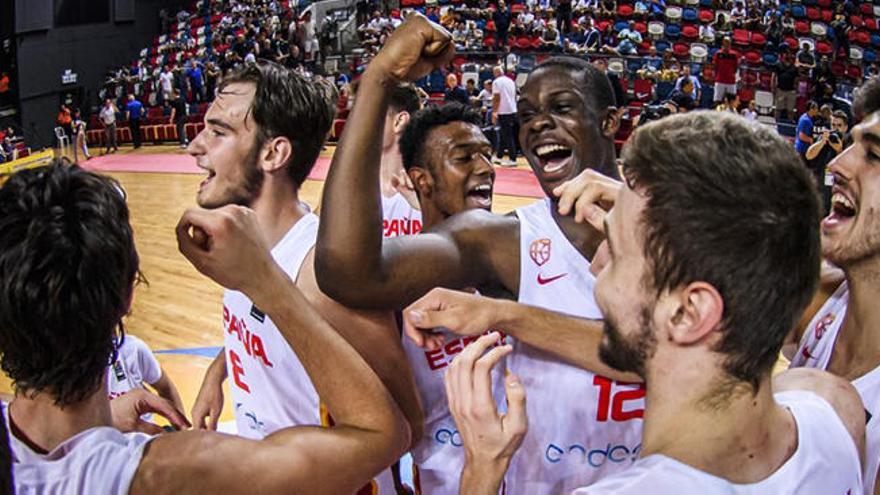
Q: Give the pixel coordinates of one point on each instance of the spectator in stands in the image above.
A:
(166, 81)
(804, 137)
(212, 76)
(134, 112)
(196, 83)
(620, 99)
(309, 36)
(750, 112)
(485, 101)
(108, 118)
(696, 89)
(629, 40)
(829, 145)
(726, 61)
(454, 91)
(550, 40)
(786, 80)
(80, 144)
(470, 87)
(730, 103)
(563, 16)
(805, 60)
(658, 9)
(640, 9)
(593, 39)
(787, 24)
(682, 97)
(178, 116)
(608, 8)
(707, 33)
(839, 33)
(738, 14)
(824, 81)
(504, 116)
(501, 18)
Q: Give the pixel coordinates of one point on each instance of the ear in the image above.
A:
(611, 122)
(422, 181)
(692, 313)
(275, 154)
(399, 123)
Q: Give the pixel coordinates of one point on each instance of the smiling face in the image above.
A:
(851, 232)
(227, 150)
(560, 128)
(458, 175)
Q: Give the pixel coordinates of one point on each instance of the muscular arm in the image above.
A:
(376, 338)
(370, 432)
(815, 148)
(352, 263)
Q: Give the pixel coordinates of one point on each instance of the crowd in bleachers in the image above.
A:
(787, 52)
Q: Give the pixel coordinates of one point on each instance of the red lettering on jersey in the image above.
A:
(416, 226)
(612, 403)
(443, 357)
(258, 350)
(238, 371)
(225, 316)
(234, 327)
(400, 226)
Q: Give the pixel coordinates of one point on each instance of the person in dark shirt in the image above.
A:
(501, 18)
(454, 91)
(786, 88)
(178, 116)
(134, 110)
(563, 16)
(829, 144)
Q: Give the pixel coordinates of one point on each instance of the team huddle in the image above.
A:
(618, 336)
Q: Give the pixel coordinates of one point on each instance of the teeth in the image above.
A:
(483, 188)
(842, 200)
(550, 148)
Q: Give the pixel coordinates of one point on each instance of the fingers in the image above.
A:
(148, 428)
(151, 403)
(482, 379)
(213, 419)
(515, 422)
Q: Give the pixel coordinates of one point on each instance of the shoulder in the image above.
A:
(654, 474)
(836, 391)
(478, 224)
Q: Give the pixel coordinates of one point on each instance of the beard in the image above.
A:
(861, 245)
(245, 192)
(628, 354)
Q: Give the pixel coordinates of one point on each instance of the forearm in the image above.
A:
(351, 390)
(350, 234)
(814, 149)
(482, 479)
(166, 389)
(573, 340)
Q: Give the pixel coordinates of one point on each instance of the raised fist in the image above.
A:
(415, 49)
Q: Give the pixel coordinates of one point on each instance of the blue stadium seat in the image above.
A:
(673, 31)
(661, 46)
(689, 14)
(620, 26)
(706, 4)
(798, 11)
(770, 59)
(875, 40)
(869, 56)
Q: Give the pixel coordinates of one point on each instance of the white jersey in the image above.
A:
(135, 365)
(583, 426)
(438, 457)
(98, 460)
(269, 385)
(817, 345)
(826, 462)
(399, 217)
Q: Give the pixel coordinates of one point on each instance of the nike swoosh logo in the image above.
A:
(545, 281)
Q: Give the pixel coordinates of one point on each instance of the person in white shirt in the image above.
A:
(257, 149)
(108, 118)
(136, 366)
(60, 423)
(166, 83)
(504, 116)
(683, 312)
(401, 214)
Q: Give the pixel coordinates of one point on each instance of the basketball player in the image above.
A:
(257, 153)
(842, 336)
(70, 258)
(448, 159)
(537, 255)
(702, 328)
(400, 207)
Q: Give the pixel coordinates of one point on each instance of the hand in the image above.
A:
(590, 195)
(402, 183)
(494, 118)
(127, 411)
(490, 439)
(414, 50)
(459, 312)
(227, 246)
(209, 403)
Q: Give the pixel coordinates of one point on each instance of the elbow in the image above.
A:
(331, 269)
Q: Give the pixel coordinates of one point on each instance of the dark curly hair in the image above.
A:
(290, 105)
(67, 269)
(415, 134)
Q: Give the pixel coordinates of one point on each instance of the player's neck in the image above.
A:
(717, 425)
(42, 425)
(392, 164)
(858, 346)
(277, 207)
(582, 236)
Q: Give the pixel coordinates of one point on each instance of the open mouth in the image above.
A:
(843, 209)
(553, 157)
(208, 179)
(480, 196)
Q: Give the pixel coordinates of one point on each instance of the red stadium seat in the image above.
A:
(864, 38)
(827, 15)
(871, 24)
(866, 8)
(814, 14)
(625, 11)
(523, 43)
(758, 39)
(641, 27)
(681, 50)
(824, 48)
(792, 42)
(838, 68)
(802, 27)
(741, 37)
(123, 135)
(746, 95)
(690, 32)
(856, 20)
(517, 8)
(643, 92)
(753, 57)
(854, 72)
(706, 15)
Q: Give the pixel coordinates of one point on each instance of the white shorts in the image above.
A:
(722, 89)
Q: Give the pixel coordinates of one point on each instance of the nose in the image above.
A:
(540, 122)
(196, 146)
(843, 165)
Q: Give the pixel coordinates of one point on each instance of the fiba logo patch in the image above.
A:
(539, 250)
